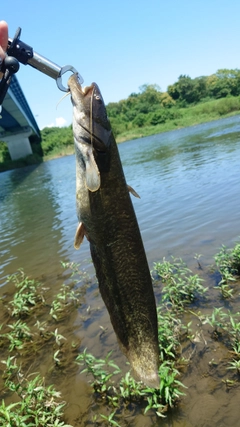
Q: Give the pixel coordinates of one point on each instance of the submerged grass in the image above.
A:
(33, 325)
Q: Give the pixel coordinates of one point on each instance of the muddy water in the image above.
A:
(189, 185)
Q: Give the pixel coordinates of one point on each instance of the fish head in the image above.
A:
(91, 129)
(90, 118)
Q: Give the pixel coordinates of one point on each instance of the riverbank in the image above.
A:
(191, 116)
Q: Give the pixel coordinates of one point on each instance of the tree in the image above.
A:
(223, 83)
(166, 100)
(140, 120)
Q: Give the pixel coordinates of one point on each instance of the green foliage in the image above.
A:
(181, 287)
(127, 391)
(6, 163)
(33, 325)
(56, 138)
(38, 405)
(219, 85)
(225, 324)
(187, 102)
(228, 265)
(159, 117)
(188, 90)
(63, 302)
(170, 332)
(27, 296)
(140, 120)
(151, 107)
(4, 153)
(21, 338)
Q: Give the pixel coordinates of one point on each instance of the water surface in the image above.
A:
(188, 181)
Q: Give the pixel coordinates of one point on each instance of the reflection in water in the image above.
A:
(33, 218)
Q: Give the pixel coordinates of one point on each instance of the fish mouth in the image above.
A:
(75, 86)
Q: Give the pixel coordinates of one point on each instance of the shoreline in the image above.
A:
(136, 133)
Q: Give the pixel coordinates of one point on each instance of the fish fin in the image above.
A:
(134, 193)
(93, 180)
(79, 236)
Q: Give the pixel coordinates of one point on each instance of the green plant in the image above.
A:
(129, 391)
(228, 260)
(170, 329)
(114, 395)
(228, 264)
(180, 286)
(27, 296)
(217, 320)
(97, 367)
(197, 257)
(38, 406)
(110, 419)
(235, 364)
(19, 334)
(64, 301)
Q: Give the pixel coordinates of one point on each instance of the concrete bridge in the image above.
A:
(17, 122)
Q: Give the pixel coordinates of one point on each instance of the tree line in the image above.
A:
(151, 106)
(148, 108)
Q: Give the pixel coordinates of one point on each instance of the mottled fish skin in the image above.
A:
(108, 221)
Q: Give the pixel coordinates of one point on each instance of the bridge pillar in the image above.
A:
(18, 144)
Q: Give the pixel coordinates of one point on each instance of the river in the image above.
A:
(189, 184)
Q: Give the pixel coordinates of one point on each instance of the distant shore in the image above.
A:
(190, 116)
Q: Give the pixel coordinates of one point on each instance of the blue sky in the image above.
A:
(121, 45)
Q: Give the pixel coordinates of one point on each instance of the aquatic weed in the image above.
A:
(229, 259)
(19, 335)
(181, 287)
(113, 391)
(63, 302)
(170, 330)
(28, 295)
(127, 390)
(235, 364)
(228, 264)
(39, 405)
(227, 324)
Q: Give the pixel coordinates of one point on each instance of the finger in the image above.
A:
(3, 35)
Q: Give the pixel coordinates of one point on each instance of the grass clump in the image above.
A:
(34, 324)
(124, 391)
(229, 259)
(37, 405)
(27, 296)
(23, 339)
(181, 287)
(228, 265)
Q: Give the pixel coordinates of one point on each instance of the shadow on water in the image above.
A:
(13, 178)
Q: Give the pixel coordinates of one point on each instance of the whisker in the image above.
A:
(64, 96)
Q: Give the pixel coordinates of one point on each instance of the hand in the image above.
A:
(3, 40)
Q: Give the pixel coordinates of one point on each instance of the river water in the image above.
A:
(189, 184)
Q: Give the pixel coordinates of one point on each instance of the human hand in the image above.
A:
(3, 40)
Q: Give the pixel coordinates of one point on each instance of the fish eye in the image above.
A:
(98, 98)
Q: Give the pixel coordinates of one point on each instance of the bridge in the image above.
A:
(17, 123)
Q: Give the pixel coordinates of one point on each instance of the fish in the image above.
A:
(108, 221)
